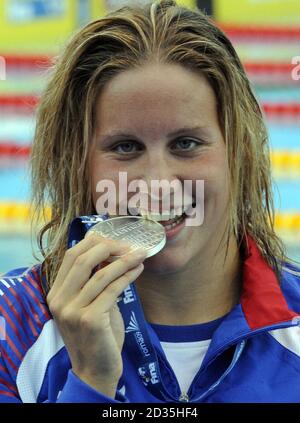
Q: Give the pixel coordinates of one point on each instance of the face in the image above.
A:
(160, 122)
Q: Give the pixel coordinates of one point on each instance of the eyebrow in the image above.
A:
(184, 130)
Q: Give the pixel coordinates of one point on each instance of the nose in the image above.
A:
(162, 187)
(158, 168)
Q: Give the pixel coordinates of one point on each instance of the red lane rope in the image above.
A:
(27, 60)
(251, 31)
(34, 61)
(16, 101)
(280, 109)
(10, 149)
(232, 31)
(265, 67)
(29, 102)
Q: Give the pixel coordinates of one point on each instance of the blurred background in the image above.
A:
(266, 35)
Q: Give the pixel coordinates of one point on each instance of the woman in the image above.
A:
(157, 92)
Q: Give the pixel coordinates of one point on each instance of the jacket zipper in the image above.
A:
(184, 397)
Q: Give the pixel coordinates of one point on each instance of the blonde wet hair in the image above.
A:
(126, 38)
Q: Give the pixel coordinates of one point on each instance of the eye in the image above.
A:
(127, 147)
(186, 144)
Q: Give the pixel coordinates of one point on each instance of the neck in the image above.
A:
(205, 290)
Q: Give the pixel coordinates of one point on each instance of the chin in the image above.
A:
(166, 262)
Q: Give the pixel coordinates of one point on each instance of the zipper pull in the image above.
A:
(184, 397)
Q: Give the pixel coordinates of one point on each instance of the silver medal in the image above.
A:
(136, 230)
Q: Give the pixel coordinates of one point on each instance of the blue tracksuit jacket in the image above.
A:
(254, 355)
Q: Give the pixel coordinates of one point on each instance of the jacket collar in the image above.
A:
(262, 306)
(262, 300)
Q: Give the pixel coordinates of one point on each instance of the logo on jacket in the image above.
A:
(149, 374)
(133, 326)
(129, 296)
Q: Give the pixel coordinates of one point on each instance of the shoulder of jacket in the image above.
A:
(21, 295)
(25, 279)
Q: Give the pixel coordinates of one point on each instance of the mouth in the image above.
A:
(168, 219)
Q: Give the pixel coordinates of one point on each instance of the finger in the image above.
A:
(83, 247)
(102, 278)
(83, 266)
(108, 298)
